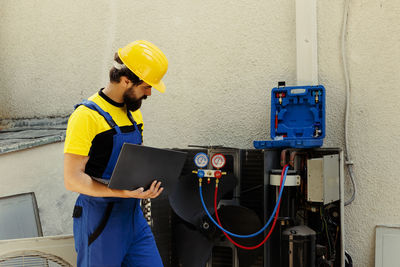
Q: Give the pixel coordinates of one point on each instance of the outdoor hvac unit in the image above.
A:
(21, 236)
(50, 251)
(309, 228)
(184, 234)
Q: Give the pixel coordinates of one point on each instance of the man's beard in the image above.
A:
(133, 104)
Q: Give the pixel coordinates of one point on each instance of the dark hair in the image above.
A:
(116, 74)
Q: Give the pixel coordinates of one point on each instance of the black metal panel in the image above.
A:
(164, 218)
(252, 187)
(248, 168)
(271, 161)
(252, 181)
(161, 214)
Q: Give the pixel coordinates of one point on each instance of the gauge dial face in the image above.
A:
(218, 161)
(201, 160)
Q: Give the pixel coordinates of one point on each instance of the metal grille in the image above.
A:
(252, 187)
(32, 259)
(252, 181)
(222, 257)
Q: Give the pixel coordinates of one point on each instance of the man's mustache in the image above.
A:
(134, 105)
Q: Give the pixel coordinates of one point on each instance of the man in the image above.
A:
(109, 227)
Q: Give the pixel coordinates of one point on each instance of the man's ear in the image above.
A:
(125, 81)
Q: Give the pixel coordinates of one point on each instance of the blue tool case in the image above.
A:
(297, 117)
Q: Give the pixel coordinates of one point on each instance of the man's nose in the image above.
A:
(148, 92)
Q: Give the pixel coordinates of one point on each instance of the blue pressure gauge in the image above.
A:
(201, 160)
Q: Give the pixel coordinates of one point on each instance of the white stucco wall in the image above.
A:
(40, 170)
(224, 57)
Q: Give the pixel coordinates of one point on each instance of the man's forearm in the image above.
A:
(84, 184)
(75, 179)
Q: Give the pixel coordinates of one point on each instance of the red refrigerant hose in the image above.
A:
(270, 231)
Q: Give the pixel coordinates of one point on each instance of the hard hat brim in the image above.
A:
(159, 86)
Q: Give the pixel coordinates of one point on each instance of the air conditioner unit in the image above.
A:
(51, 251)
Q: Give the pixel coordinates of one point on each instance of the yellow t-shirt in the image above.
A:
(89, 134)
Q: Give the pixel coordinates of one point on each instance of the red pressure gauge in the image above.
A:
(218, 161)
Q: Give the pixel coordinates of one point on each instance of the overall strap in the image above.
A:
(132, 120)
(106, 115)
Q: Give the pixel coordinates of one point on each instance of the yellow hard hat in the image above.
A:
(147, 61)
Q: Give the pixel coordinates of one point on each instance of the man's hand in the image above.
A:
(154, 191)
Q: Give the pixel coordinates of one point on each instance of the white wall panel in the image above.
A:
(387, 246)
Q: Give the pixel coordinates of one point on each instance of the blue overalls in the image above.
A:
(109, 231)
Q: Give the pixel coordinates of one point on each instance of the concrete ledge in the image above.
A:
(26, 133)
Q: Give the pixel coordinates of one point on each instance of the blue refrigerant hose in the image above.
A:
(262, 229)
